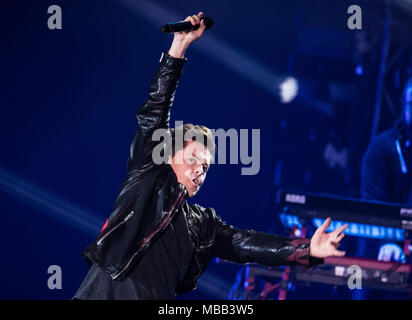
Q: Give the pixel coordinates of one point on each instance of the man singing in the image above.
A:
(155, 245)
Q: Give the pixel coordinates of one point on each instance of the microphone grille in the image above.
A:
(208, 22)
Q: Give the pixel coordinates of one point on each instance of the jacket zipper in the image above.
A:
(99, 243)
(198, 274)
(197, 263)
(178, 201)
(211, 243)
(198, 248)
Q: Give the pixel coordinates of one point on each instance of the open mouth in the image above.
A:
(196, 182)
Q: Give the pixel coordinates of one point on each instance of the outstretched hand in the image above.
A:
(182, 40)
(323, 244)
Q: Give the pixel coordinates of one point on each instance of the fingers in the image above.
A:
(325, 225)
(339, 237)
(339, 230)
(191, 19)
(194, 19)
(339, 253)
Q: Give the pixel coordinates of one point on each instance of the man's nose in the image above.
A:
(199, 170)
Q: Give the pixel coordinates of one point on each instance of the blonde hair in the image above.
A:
(197, 133)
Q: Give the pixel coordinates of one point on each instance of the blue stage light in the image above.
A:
(288, 89)
(289, 220)
(359, 70)
(354, 229)
(391, 252)
(365, 230)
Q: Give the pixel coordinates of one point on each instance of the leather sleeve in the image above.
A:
(155, 112)
(249, 246)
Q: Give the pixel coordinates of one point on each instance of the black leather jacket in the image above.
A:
(151, 195)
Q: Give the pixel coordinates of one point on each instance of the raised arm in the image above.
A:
(155, 112)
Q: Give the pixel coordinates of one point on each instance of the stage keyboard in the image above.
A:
(371, 219)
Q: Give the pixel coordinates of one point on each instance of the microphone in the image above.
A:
(181, 26)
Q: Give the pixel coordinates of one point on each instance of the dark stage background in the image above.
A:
(69, 97)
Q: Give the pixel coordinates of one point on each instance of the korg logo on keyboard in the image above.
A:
(295, 198)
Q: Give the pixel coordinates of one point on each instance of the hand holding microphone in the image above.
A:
(194, 27)
(186, 26)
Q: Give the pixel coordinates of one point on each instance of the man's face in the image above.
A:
(190, 165)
